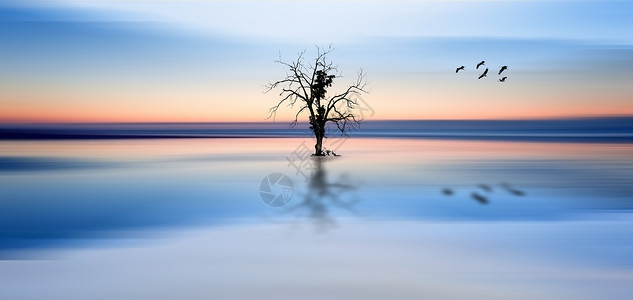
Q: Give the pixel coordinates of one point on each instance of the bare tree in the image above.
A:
(306, 86)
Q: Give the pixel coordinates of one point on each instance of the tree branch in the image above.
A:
(309, 83)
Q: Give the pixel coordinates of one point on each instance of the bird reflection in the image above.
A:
(476, 195)
(485, 187)
(481, 199)
(512, 190)
(323, 195)
(447, 191)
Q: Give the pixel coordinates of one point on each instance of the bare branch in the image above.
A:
(294, 123)
(309, 84)
(353, 90)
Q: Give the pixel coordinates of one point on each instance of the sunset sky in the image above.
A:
(205, 61)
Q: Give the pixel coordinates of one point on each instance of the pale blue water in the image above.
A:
(414, 218)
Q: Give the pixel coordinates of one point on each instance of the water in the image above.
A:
(408, 218)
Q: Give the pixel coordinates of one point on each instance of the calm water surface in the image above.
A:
(397, 218)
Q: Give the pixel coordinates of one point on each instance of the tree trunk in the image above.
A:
(319, 133)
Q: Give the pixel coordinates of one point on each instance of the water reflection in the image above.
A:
(323, 195)
(483, 192)
(485, 187)
(481, 199)
(512, 190)
(159, 207)
(9, 164)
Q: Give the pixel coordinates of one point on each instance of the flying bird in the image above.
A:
(484, 74)
(460, 69)
(480, 64)
(503, 79)
(503, 69)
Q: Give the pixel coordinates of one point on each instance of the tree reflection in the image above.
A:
(322, 196)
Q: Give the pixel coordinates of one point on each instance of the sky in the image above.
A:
(209, 61)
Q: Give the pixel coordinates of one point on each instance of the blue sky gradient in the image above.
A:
(209, 60)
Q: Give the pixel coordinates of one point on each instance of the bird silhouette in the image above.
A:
(503, 79)
(484, 74)
(460, 69)
(480, 64)
(503, 69)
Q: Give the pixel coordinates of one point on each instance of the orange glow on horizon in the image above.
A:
(195, 118)
(437, 103)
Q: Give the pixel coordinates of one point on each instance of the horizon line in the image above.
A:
(587, 117)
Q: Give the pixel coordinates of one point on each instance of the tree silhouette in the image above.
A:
(306, 85)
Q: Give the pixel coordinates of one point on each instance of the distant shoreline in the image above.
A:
(600, 130)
